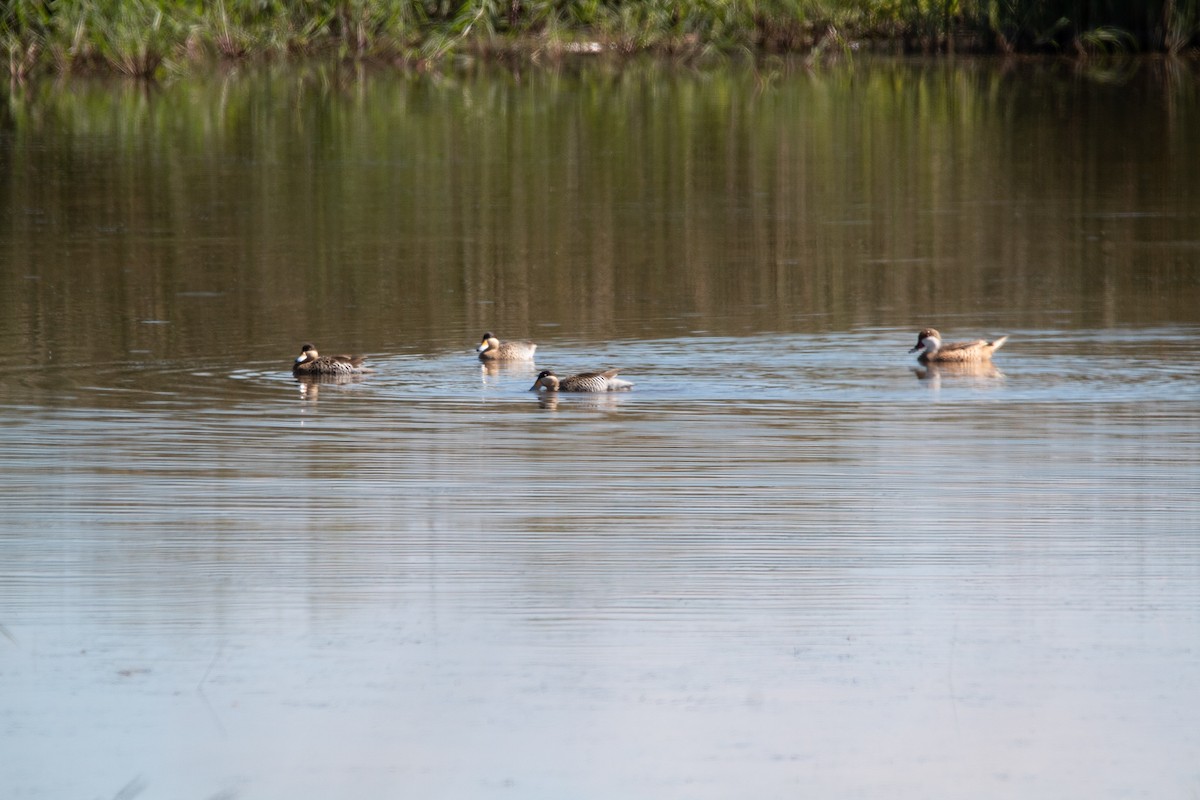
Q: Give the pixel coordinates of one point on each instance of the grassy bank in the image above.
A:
(148, 37)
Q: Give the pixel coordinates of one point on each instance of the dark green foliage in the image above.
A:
(144, 37)
(1087, 25)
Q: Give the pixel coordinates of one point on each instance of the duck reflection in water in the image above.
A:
(310, 385)
(492, 371)
(968, 371)
(607, 401)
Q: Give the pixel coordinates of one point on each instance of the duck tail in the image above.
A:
(996, 345)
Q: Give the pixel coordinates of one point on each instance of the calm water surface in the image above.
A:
(790, 563)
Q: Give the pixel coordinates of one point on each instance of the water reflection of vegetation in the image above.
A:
(142, 37)
(314, 204)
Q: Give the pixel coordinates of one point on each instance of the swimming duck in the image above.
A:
(606, 381)
(929, 342)
(310, 362)
(490, 349)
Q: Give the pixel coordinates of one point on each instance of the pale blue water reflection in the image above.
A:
(766, 571)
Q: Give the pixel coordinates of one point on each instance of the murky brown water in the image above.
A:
(789, 563)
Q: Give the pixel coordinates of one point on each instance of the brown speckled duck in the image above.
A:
(490, 349)
(606, 381)
(310, 362)
(929, 342)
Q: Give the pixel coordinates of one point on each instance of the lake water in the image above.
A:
(789, 563)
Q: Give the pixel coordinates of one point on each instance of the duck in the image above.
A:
(606, 381)
(929, 342)
(490, 349)
(310, 362)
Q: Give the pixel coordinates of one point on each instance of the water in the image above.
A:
(790, 563)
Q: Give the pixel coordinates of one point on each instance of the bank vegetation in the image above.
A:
(149, 38)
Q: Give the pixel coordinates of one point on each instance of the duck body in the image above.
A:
(310, 362)
(490, 349)
(606, 381)
(933, 349)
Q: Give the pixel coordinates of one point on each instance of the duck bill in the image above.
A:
(918, 346)
(481, 348)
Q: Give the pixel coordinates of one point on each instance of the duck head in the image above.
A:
(928, 340)
(489, 341)
(307, 353)
(545, 380)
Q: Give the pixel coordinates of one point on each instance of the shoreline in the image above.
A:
(153, 39)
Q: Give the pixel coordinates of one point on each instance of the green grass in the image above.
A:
(147, 38)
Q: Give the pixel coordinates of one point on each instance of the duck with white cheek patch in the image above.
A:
(932, 348)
